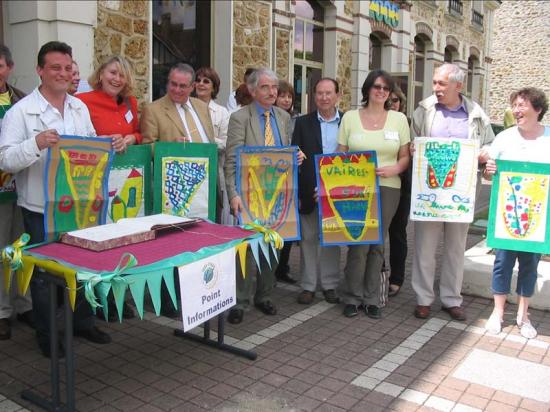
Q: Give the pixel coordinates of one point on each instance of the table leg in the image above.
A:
(219, 343)
(55, 404)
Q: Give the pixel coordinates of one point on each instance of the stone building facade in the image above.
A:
(301, 40)
(123, 28)
(521, 53)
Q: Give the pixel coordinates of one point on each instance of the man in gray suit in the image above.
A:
(258, 124)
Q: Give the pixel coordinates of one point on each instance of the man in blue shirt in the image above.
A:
(317, 133)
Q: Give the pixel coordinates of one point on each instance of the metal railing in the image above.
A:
(455, 7)
(477, 18)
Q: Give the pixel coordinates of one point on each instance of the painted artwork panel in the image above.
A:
(267, 182)
(75, 183)
(349, 198)
(444, 178)
(518, 214)
(185, 186)
(130, 184)
(7, 187)
(185, 179)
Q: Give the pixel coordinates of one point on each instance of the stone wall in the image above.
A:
(123, 28)
(520, 52)
(251, 34)
(282, 40)
(343, 74)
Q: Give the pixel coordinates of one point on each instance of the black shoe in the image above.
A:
(285, 278)
(94, 335)
(330, 296)
(305, 297)
(5, 329)
(373, 311)
(235, 316)
(27, 318)
(350, 311)
(267, 307)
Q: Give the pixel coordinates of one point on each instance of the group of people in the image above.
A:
(260, 113)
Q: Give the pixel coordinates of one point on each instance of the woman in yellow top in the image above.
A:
(374, 127)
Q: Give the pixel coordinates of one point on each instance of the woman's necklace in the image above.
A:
(374, 121)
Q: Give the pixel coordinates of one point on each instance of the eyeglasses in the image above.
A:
(381, 87)
(204, 80)
(394, 100)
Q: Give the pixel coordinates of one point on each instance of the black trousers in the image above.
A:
(83, 316)
(398, 232)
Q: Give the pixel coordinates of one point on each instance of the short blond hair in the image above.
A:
(123, 66)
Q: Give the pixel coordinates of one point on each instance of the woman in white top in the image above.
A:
(207, 87)
(529, 141)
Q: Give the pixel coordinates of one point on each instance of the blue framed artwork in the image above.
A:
(267, 182)
(349, 198)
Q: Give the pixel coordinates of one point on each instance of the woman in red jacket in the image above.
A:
(114, 114)
(112, 108)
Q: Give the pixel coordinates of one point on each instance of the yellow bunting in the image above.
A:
(241, 251)
(52, 268)
(12, 258)
(270, 235)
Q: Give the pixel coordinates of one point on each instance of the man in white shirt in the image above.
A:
(177, 117)
(29, 128)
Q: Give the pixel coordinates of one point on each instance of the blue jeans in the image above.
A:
(504, 266)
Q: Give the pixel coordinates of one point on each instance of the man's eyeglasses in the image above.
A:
(394, 100)
(381, 87)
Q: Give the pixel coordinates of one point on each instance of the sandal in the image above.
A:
(527, 330)
(393, 290)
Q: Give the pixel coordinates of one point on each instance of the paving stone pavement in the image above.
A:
(309, 358)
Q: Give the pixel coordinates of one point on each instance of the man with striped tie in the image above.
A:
(258, 124)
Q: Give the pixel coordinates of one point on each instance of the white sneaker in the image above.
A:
(493, 325)
(527, 330)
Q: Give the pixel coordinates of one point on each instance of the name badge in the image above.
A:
(129, 116)
(391, 135)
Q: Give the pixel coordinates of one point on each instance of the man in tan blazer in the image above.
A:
(177, 117)
(247, 127)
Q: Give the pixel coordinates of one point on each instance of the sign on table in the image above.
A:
(207, 288)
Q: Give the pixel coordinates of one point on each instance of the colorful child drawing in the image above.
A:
(349, 198)
(444, 178)
(77, 175)
(126, 192)
(267, 182)
(522, 198)
(185, 184)
(520, 202)
(442, 161)
(268, 195)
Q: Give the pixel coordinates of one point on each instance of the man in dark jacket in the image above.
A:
(317, 133)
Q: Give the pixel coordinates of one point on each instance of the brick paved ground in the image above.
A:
(309, 358)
